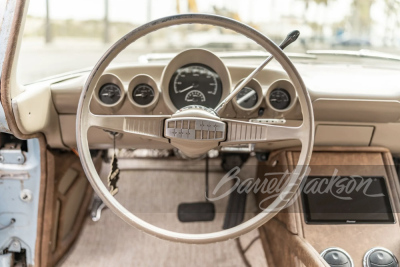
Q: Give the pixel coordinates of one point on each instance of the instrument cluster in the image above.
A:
(193, 77)
(195, 84)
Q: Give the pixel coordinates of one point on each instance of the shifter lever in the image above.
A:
(290, 38)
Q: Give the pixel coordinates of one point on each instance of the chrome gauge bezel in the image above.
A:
(255, 85)
(194, 56)
(143, 79)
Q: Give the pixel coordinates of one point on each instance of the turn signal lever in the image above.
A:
(290, 38)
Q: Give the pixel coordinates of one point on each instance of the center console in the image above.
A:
(345, 215)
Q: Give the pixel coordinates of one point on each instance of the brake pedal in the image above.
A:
(198, 211)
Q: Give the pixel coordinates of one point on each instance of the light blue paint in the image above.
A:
(11, 205)
(3, 122)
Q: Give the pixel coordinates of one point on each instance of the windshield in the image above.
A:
(68, 35)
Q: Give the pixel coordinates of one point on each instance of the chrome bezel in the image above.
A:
(372, 250)
(337, 249)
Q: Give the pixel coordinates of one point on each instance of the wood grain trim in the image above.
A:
(266, 247)
(42, 197)
(282, 162)
(292, 249)
(393, 183)
(332, 149)
(48, 214)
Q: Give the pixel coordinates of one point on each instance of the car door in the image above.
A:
(44, 193)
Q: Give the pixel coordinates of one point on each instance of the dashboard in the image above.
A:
(193, 77)
(353, 105)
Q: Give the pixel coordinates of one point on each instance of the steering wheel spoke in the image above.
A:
(150, 127)
(241, 132)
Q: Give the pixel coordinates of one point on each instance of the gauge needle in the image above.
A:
(108, 94)
(290, 38)
(187, 88)
(246, 96)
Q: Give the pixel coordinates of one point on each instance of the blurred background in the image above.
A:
(66, 35)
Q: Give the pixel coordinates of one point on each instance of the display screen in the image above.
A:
(346, 200)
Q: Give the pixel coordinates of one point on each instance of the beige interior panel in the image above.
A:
(363, 122)
(35, 112)
(67, 180)
(387, 135)
(356, 110)
(341, 135)
(68, 92)
(72, 207)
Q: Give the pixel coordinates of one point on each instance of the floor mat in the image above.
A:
(154, 194)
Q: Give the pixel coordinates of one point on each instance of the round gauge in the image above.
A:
(109, 93)
(195, 97)
(247, 97)
(195, 84)
(279, 98)
(143, 94)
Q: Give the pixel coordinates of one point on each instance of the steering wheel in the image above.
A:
(221, 132)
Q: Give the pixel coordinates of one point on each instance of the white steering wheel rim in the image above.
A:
(306, 138)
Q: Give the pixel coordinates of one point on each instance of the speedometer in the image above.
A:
(195, 83)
